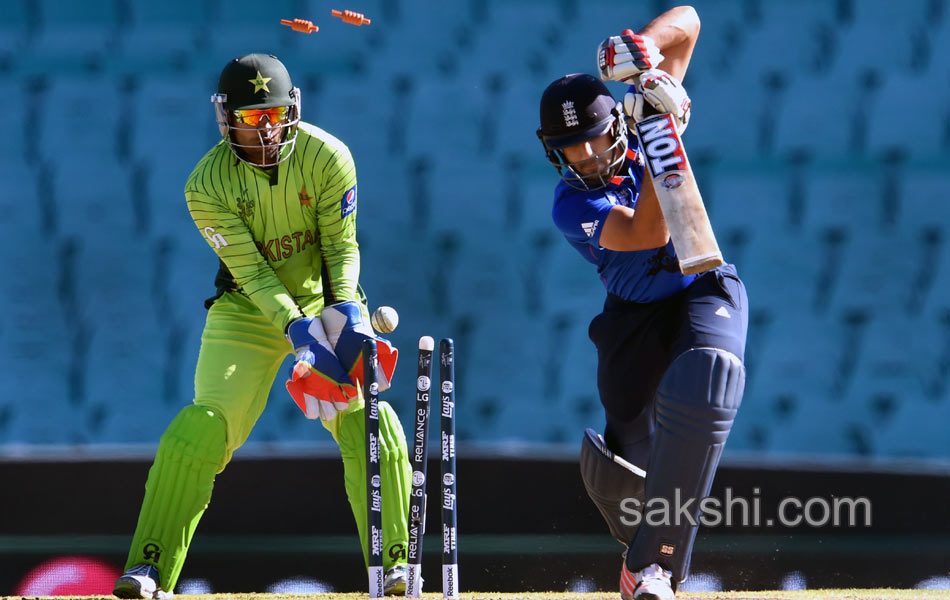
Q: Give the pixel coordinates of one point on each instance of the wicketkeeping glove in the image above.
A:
(620, 57)
(346, 328)
(663, 92)
(318, 382)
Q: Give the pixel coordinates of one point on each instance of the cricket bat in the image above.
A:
(679, 197)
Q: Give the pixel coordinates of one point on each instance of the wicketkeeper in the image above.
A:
(670, 346)
(276, 200)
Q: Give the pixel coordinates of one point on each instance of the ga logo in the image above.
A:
(215, 238)
(348, 202)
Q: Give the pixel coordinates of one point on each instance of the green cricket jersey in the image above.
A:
(279, 234)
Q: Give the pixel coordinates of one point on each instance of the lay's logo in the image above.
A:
(348, 202)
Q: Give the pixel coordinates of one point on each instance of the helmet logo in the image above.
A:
(570, 115)
(260, 83)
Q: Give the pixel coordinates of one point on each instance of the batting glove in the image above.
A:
(318, 382)
(660, 91)
(621, 57)
(347, 326)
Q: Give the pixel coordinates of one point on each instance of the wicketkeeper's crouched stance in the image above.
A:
(276, 200)
(670, 346)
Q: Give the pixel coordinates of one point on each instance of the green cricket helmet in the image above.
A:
(251, 88)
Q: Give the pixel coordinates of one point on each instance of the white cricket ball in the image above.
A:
(385, 319)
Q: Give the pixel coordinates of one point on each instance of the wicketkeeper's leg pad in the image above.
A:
(192, 451)
(396, 479)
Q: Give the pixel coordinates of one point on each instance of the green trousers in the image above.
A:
(240, 355)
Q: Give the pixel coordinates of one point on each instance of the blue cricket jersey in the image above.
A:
(639, 276)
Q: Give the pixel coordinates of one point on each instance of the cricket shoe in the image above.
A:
(394, 583)
(649, 583)
(141, 581)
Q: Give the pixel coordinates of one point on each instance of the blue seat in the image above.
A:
(517, 119)
(799, 358)
(859, 46)
(818, 428)
(74, 36)
(793, 26)
(923, 194)
(20, 206)
(718, 114)
(82, 119)
(163, 37)
(750, 199)
(917, 430)
(780, 269)
(847, 197)
(36, 342)
(177, 123)
(809, 117)
(915, 133)
(94, 197)
(15, 25)
(877, 270)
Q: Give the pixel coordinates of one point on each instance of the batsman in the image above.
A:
(276, 200)
(670, 346)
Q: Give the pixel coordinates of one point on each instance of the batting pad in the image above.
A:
(696, 403)
(396, 475)
(192, 451)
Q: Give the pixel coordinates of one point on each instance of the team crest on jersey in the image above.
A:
(348, 202)
(245, 206)
(622, 196)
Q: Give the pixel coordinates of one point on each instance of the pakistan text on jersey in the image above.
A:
(278, 249)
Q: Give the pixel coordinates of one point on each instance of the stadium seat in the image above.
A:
(877, 271)
(177, 121)
(20, 207)
(923, 194)
(17, 22)
(917, 430)
(821, 428)
(859, 46)
(849, 197)
(82, 113)
(715, 119)
(823, 129)
(94, 198)
(73, 36)
(39, 383)
(796, 27)
(162, 38)
(800, 357)
(781, 269)
(916, 134)
(748, 199)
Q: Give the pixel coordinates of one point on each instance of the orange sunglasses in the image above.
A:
(253, 116)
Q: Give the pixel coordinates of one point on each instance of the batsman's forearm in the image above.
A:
(675, 33)
(649, 222)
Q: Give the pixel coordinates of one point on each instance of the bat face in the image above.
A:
(662, 146)
(678, 194)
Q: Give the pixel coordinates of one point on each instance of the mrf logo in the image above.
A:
(151, 552)
(348, 202)
(661, 144)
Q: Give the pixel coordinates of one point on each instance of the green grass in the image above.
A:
(852, 594)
